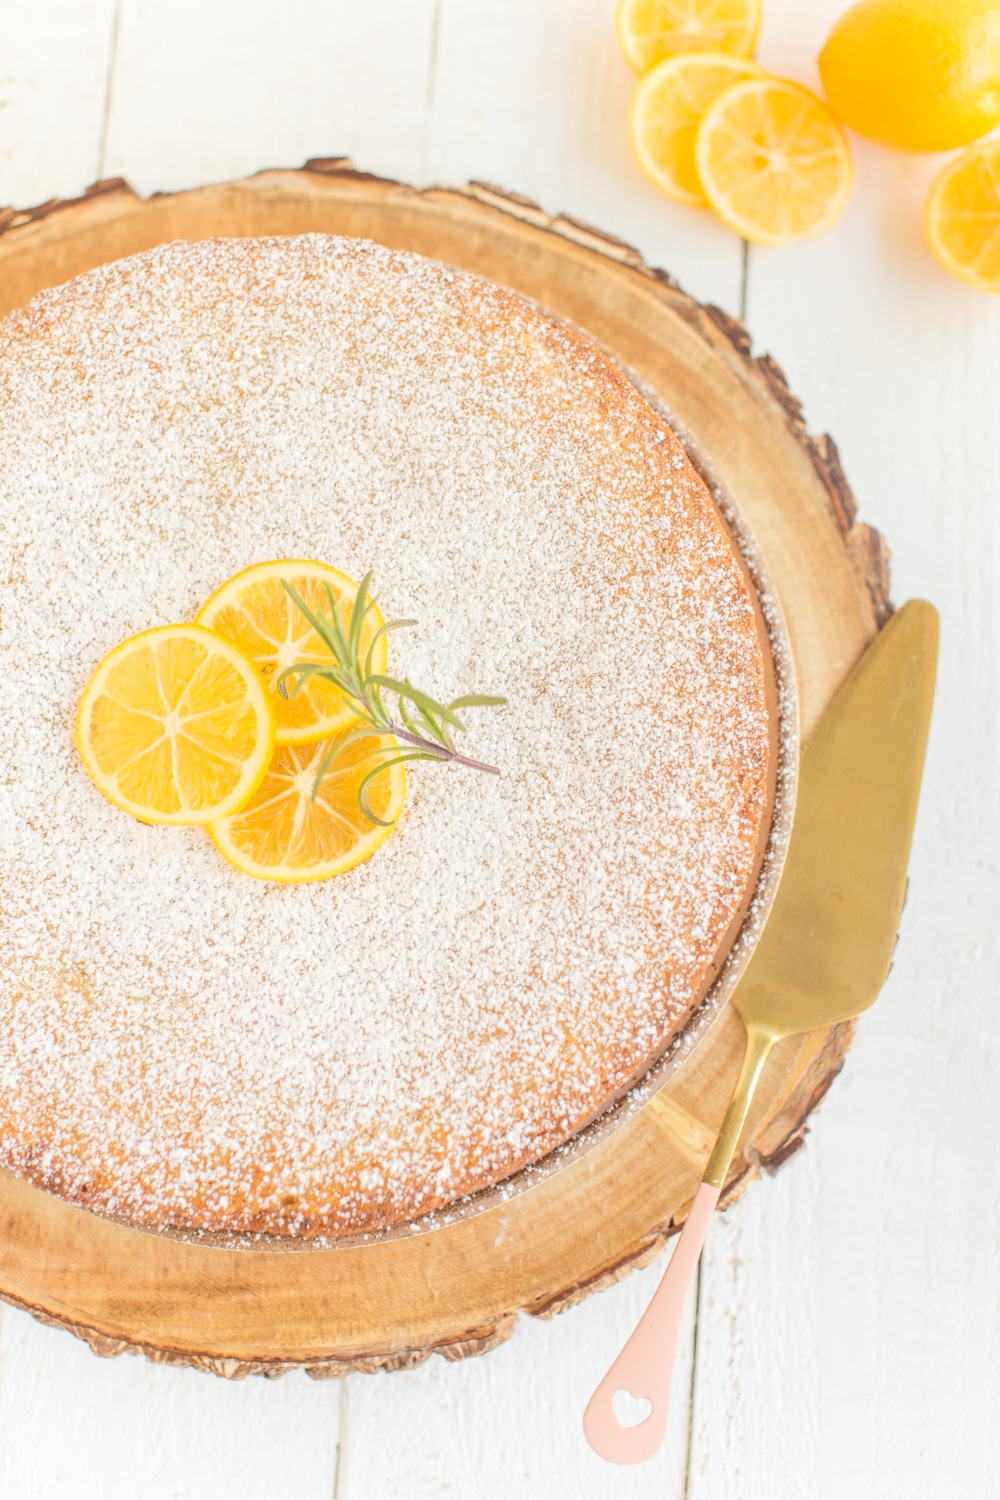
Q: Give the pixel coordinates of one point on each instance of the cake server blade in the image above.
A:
(822, 957)
(826, 949)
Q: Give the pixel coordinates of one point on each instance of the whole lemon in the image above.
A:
(920, 74)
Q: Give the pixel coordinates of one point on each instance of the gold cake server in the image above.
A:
(822, 958)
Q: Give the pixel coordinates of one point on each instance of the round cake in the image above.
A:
(189, 1049)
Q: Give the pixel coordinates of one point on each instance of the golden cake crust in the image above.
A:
(188, 1049)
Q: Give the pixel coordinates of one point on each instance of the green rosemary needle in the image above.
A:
(420, 722)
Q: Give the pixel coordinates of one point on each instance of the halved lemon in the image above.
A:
(254, 611)
(773, 161)
(175, 726)
(287, 833)
(963, 216)
(650, 30)
(668, 107)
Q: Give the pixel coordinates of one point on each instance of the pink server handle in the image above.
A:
(645, 1367)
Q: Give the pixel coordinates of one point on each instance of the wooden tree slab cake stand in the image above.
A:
(458, 1289)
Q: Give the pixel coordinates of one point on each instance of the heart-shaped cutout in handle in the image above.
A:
(629, 1410)
(622, 1427)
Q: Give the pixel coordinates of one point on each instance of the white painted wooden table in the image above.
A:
(848, 1323)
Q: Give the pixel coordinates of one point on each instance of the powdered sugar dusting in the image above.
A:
(183, 1046)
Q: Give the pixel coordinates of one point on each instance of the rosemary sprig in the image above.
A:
(420, 721)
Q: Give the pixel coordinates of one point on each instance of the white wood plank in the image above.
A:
(852, 1313)
(71, 1424)
(54, 60)
(757, 1400)
(203, 93)
(508, 1424)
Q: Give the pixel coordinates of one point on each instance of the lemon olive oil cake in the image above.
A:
(189, 1049)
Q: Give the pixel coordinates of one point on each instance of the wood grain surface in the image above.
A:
(837, 1349)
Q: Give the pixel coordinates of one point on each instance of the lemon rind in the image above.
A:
(257, 693)
(746, 228)
(283, 875)
(626, 37)
(325, 728)
(745, 66)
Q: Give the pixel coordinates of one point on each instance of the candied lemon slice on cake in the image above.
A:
(650, 30)
(963, 216)
(176, 726)
(294, 830)
(255, 612)
(773, 161)
(668, 107)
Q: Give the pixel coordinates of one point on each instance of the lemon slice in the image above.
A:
(175, 726)
(254, 611)
(286, 833)
(650, 30)
(773, 161)
(963, 217)
(667, 109)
